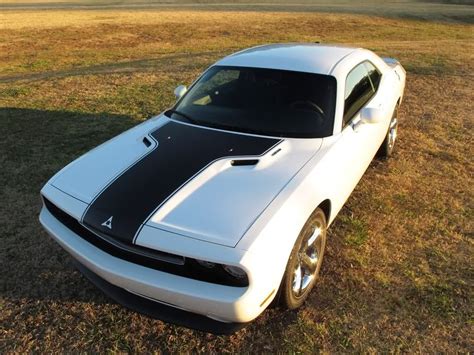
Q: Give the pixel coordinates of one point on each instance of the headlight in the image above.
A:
(218, 273)
(235, 271)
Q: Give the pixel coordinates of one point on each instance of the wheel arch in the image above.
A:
(326, 207)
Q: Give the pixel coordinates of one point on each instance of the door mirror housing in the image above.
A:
(180, 91)
(371, 115)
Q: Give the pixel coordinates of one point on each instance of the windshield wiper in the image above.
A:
(243, 129)
(189, 119)
(223, 126)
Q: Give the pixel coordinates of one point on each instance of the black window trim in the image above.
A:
(344, 125)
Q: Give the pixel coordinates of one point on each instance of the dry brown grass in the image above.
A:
(398, 274)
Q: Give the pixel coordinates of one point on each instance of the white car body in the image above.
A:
(246, 216)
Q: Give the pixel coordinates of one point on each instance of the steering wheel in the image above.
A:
(307, 103)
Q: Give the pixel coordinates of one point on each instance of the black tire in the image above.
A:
(388, 144)
(288, 296)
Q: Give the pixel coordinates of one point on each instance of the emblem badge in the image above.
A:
(108, 223)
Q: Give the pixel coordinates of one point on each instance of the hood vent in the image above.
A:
(244, 162)
(147, 142)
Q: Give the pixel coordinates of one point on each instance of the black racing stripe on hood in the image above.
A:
(182, 152)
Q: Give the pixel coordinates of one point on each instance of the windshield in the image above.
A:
(262, 101)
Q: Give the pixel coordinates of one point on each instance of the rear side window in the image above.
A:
(374, 75)
(359, 90)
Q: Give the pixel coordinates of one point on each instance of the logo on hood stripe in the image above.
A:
(108, 223)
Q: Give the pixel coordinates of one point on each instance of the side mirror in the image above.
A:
(180, 91)
(371, 115)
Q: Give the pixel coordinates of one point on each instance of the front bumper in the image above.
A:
(218, 302)
(159, 310)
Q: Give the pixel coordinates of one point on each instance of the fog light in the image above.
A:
(235, 271)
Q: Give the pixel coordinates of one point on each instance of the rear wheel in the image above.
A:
(386, 149)
(305, 261)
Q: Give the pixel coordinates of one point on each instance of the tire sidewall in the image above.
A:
(385, 151)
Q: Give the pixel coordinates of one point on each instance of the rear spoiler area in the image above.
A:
(393, 63)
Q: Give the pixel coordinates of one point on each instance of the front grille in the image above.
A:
(134, 253)
(158, 260)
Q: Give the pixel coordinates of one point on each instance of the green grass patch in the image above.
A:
(14, 92)
(357, 233)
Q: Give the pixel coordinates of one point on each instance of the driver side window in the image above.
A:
(358, 91)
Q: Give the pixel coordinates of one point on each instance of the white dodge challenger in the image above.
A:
(206, 213)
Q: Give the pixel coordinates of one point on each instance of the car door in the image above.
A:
(361, 91)
(359, 141)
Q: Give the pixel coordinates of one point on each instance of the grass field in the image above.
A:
(398, 274)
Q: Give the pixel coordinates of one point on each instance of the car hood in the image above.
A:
(193, 181)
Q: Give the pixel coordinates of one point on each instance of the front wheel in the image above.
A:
(305, 261)
(386, 149)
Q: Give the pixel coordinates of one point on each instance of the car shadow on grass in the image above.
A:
(34, 145)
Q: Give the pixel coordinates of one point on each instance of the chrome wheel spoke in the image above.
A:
(306, 281)
(392, 134)
(309, 262)
(393, 123)
(316, 234)
(297, 280)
